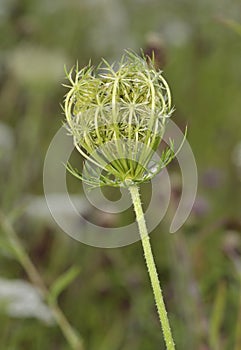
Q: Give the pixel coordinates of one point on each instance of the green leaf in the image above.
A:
(62, 283)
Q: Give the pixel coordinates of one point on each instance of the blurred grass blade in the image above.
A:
(235, 26)
(6, 248)
(238, 328)
(62, 283)
(217, 317)
(113, 339)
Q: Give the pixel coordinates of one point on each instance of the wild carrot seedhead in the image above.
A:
(117, 116)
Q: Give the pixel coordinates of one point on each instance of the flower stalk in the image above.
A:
(151, 267)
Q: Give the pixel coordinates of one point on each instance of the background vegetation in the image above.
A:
(110, 302)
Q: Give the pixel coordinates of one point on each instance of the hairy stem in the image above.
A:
(71, 336)
(134, 191)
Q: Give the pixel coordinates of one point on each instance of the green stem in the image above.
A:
(71, 336)
(134, 191)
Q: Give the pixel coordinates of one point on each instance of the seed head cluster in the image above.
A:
(117, 116)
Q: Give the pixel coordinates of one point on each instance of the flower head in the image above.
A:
(117, 116)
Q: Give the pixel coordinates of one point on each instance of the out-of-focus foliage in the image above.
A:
(110, 302)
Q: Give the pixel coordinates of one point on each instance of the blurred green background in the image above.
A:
(198, 45)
